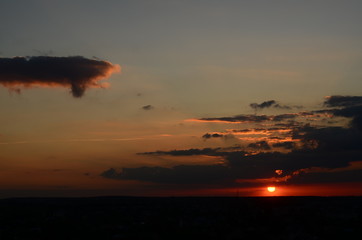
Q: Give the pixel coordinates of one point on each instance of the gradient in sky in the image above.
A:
(172, 98)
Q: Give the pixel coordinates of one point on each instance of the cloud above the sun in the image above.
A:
(75, 72)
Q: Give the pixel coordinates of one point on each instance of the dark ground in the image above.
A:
(181, 218)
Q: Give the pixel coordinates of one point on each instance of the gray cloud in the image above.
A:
(328, 177)
(354, 112)
(285, 145)
(148, 107)
(224, 136)
(182, 174)
(213, 135)
(271, 103)
(194, 151)
(253, 118)
(77, 73)
(263, 105)
(239, 118)
(261, 145)
(342, 101)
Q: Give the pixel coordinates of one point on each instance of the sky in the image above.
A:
(180, 98)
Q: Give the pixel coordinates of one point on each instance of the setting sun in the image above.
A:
(271, 189)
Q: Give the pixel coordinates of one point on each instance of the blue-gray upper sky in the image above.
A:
(238, 49)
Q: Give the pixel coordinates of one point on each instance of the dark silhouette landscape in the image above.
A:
(181, 217)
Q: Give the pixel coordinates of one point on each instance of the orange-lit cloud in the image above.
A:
(77, 73)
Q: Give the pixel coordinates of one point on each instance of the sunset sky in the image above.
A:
(179, 98)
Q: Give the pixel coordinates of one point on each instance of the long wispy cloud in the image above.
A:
(75, 72)
(195, 151)
(247, 118)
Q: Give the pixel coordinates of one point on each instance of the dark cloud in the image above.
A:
(224, 136)
(241, 130)
(282, 106)
(195, 151)
(357, 122)
(77, 73)
(328, 177)
(291, 161)
(239, 118)
(212, 135)
(263, 105)
(333, 139)
(348, 111)
(182, 174)
(239, 165)
(343, 101)
(261, 145)
(282, 117)
(354, 112)
(271, 103)
(322, 152)
(288, 117)
(148, 107)
(285, 145)
(253, 118)
(287, 125)
(187, 152)
(332, 148)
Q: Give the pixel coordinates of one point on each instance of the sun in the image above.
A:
(271, 189)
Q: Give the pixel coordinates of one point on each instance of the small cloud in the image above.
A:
(148, 107)
(224, 136)
(263, 105)
(213, 135)
(271, 103)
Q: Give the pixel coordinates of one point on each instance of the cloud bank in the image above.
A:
(290, 152)
(75, 72)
